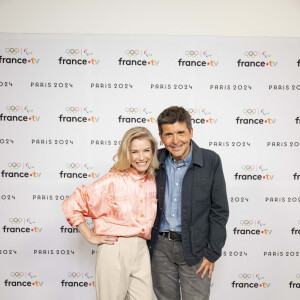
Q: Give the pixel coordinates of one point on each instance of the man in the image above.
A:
(189, 231)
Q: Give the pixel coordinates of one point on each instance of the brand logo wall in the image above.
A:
(205, 116)
(257, 228)
(28, 171)
(138, 58)
(19, 56)
(296, 230)
(256, 58)
(78, 279)
(78, 57)
(250, 116)
(79, 171)
(23, 279)
(19, 114)
(195, 58)
(247, 280)
(137, 115)
(78, 114)
(22, 225)
(296, 284)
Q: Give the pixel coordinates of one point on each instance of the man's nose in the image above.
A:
(175, 139)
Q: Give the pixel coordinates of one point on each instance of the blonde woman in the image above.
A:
(122, 205)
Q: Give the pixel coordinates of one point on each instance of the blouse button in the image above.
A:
(143, 230)
(142, 201)
(142, 216)
(141, 185)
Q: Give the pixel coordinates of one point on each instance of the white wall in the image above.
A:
(189, 17)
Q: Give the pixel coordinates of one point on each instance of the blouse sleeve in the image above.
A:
(87, 201)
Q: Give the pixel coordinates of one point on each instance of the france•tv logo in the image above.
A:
(22, 225)
(205, 116)
(20, 170)
(138, 58)
(78, 57)
(248, 280)
(262, 173)
(78, 279)
(256, 58)
(25, 116)
(255, 116)
(197, 58)
(19, 56)
(137, 115)
(76, 114)
(252, 227)
(23, 279)
(79, 170)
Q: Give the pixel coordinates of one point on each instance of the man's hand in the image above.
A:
(206, 266)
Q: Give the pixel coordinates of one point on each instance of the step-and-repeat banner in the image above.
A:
(66, 101)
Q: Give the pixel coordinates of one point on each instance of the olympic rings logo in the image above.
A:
(14, 165)
(131, 110)
(249, 111)
(74, 275)
(192, 110)
(246, 222)
(248, 167)
(251, 54)
(73, 166)
(245, 276)
(72, 109)
(191, 53)
(72, 52)
(132, 52)
(15, 220)
(17, 274)
(13, 108)
(13, 51)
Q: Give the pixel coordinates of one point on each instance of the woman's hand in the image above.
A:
(95, 239)
(102, 239)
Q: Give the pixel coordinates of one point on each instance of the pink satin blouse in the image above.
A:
(120, 205)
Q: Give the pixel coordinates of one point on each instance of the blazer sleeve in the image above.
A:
(218, 215)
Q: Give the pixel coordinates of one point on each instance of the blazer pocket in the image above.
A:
(202, 190)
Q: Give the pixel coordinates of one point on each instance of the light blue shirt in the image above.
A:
(171, 220)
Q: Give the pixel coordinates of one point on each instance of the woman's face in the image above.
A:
(140, 155)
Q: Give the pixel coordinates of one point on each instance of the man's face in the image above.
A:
(176, 138)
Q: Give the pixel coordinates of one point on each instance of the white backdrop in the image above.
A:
(66, 101)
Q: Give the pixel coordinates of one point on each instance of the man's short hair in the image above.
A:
(172, 115)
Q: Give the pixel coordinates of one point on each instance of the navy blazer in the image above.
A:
(204, 206)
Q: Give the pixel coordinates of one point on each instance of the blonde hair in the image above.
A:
(123, 164)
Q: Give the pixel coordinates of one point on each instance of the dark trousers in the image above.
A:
(172, 277)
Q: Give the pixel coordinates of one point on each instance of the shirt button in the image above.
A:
(141, 185)
(173, 215)
(160, 209)
(176, 183)
(142, 201)
(175, 199)
(143, 230)
(142, 216)
(178, 168)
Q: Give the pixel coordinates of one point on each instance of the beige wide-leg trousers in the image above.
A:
(123, 270)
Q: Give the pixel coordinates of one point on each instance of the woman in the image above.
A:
(122, 205)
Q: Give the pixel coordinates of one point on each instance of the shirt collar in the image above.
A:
(137, 177)
(184, 162)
